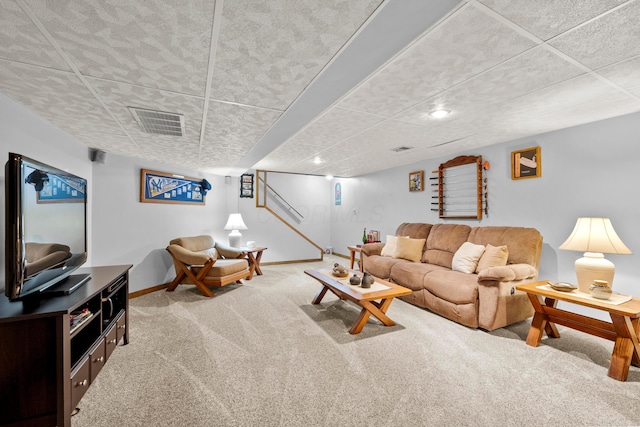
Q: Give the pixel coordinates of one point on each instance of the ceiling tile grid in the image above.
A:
(548, 18)
(505, 68)
(20, 40)
(156, 44)
(269, 51)
(56, 96)
(451, 53)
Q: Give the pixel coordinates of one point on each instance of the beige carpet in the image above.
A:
(259, 354)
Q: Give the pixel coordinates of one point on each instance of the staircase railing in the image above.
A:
(264, 192)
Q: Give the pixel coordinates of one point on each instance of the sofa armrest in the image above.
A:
(228, 251)
(370, 249)
(506, 273)
(188, 257)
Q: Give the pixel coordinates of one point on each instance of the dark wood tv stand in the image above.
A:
(46, 365)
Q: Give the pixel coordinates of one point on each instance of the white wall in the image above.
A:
(588, 170)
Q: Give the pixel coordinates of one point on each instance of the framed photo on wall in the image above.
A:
(416, 181)
(246, 185)
(526, 163)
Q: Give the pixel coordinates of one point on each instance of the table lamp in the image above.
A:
(235, 223)
(594, 237)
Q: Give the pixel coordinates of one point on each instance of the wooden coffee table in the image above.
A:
(623, 328)
(365, 298)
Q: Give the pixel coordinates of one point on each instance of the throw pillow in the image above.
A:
(466, 258)
(493, 256)
(390, 247)
(410, 249)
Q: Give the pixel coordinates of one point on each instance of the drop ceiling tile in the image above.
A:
(548, 18)
(535, 69)
(625, 74)
(449, 54)
(613, 38)
(268, 52)
(335, 125)
(56, 96)
(154, 44)
(21, 41)
(232, 130)
(119, 96)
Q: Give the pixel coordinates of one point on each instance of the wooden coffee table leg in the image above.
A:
(320, 295)
(369, 308)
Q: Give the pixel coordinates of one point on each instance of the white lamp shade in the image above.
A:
(594, 236)
(235, 222)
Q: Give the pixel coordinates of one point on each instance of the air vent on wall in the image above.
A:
(400, 149)
(159, 122)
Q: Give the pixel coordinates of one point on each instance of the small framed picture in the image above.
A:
(416, 181)
(526, 163)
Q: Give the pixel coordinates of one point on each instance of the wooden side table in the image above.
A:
(352, 256)
(254, 260)
(623, 329)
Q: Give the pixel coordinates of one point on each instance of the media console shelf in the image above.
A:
(46, 364)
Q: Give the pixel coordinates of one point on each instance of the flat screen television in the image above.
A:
(46, 229)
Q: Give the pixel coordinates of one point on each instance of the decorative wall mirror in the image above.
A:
(461, 188)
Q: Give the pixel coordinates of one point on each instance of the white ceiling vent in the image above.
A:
(159, 122)
(401, 149)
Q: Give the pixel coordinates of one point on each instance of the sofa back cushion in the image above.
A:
(524, 244)
(443, 241)
(415, 230)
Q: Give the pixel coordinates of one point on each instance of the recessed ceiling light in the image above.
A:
(317, 160)
(329, 177)
(439, 114)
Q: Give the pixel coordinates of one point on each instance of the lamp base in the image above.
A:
(235, 239)
(593, 266)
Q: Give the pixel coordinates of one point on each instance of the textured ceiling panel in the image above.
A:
(625, 74)
(58, 97)
(548, 18)
(156, 44)
(118, 96)
(613, 38)
(269, 51)
(453, 52)
(21, 41)
(233, 129)
(287, 82)
(534, 70)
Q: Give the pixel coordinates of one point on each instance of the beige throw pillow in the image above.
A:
(410, 249)
(403, 247)
(390, 247)
(466, 258)
(493, 256)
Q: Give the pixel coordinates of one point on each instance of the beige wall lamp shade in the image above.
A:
(594, 237)
(235, 223)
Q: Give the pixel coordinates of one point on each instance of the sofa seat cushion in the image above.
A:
(411, 274)
(452, 286)
(380, 266)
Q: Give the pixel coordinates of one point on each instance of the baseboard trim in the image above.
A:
(148, 290)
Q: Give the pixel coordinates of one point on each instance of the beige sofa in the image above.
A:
(484, 299)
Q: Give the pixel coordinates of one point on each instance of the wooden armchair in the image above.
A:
(203, 262)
